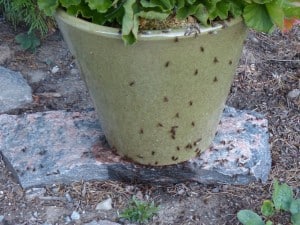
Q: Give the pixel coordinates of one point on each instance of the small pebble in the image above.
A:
(225, 187)
(75, 215)
(129, 188)
(252, 67)
(253, 39)
(103, 222)
(1, 218)
(55, 69)
(139, 195)
(67, 219)
(215, 190)
(36, 76)
(35, 214)
(68, 197)
(181, 192)
(105, 205)
(55, 189)
(294, 94)
(74, 71)
(34, 193)
(5, 53)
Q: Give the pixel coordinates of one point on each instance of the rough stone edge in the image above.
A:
(129, 172)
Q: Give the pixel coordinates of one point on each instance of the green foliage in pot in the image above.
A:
(282, 200)
(27, 12)
(262, 15)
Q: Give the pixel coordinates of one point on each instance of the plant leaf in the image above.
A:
(100, 5)
(186, 11)
(295, 206)
(269, 222)
(68, 3)
(159, 5)
(28, 41)
(267, 208)
(201, 14)
(248, 217)
(261, 1)
(83, 10)
(282, 196)
(256, 16)
(296, 219)
(48, 6)
(221, 10)
(276, 12)
(152, 15)
(292, 9)
(130, 24)
(139, 211)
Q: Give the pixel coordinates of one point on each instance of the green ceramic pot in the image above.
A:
(160, 100)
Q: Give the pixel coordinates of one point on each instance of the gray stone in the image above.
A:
(67, 219)
(63, 147)
(55, 69)
(33, 193)
(105, 205)
(74, 71)
(75, 215)
(68, 197)
(15, 91)
(36, 76)
(1, 218)
(101, 222)
(5, 53)
(53, 213)
(294, 93)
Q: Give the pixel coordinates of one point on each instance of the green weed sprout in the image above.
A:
(282, 199)
(139, 211)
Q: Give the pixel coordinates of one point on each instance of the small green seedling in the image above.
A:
(28, 41)
(282, 199)
(26, 12)
(139, 211)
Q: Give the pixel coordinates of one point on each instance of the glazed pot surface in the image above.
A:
(160, 100)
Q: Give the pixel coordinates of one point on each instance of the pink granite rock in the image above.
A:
(63, 147)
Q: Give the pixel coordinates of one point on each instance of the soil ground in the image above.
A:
(268, 71)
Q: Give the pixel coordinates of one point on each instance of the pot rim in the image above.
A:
(144, 35)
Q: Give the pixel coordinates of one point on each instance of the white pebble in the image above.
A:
(294, 93)
(35, 214)
(55, 69)
(67, 219)
(74, 71)
(75, 215)
(68, 197)
(105, 205)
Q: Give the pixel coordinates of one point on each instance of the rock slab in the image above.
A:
(14, 90)
(63, 147)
